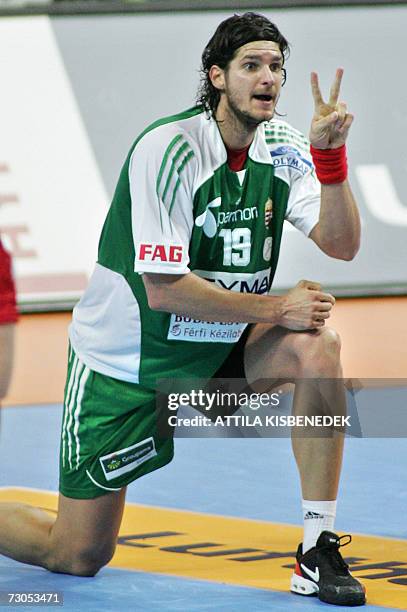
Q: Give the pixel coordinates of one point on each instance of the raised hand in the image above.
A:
(331, 121)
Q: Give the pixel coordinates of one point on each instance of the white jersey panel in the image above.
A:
(292, 161)
(304, 203)
(105, 332)
(161, 175)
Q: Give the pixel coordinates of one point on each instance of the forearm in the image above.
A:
(339, 221)
(305, 306)
(193, 296)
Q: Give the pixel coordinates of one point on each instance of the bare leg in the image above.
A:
(80, 540)
(318, 453)
(276, 353)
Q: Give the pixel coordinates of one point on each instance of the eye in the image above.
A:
(250, 66)
(276, 67)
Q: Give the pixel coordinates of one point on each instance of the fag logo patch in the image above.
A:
(153, 252)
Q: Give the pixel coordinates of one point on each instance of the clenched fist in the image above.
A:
(305, 307)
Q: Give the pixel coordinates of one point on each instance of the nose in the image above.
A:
(267, 76)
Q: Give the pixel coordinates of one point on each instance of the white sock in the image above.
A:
(318, 516)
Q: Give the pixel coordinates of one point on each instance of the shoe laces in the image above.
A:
(335, 558)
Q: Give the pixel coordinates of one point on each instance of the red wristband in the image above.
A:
(331, 165)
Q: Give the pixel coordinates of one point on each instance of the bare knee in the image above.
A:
(328, 341)
(89, 561)
(84, 536)
(331, 339)
(318, 352)
(81, 560)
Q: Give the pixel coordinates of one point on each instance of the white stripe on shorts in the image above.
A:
(82, 383)
(98, 484)
(67, 401)
(71, 404)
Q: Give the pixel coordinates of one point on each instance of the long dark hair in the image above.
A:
(230, 35)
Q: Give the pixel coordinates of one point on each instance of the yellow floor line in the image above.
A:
(237, 551)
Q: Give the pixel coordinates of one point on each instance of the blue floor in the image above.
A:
(113, 590)
(255, 478)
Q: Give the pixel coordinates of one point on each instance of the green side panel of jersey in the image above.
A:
(280, 198)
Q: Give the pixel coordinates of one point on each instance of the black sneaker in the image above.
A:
(322, 571)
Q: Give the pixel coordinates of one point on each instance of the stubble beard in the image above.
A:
(247, 121)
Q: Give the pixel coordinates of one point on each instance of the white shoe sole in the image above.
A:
(302, 586)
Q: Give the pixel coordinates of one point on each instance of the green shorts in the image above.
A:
(110, 430)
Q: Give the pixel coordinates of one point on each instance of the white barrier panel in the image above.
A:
(52, 198)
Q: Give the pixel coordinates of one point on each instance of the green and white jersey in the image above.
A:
(178, 208)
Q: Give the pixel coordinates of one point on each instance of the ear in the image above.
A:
(217, 77)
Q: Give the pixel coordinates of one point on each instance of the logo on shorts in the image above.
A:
(113, 465)
(127, 459)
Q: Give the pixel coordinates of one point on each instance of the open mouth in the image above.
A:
(263, 97)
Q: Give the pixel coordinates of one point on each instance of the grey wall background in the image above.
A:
(128, 70)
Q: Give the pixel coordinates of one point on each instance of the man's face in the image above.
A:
(250, 85)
